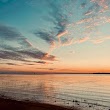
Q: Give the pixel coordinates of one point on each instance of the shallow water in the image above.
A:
(91, 92)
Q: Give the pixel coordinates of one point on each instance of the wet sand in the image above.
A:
(9, 104)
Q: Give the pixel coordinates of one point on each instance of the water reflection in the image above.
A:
(71, 90)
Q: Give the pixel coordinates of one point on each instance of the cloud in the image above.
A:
(5, 68)
(8, 47)
(21, 55)
(36, 54)
(24, 51)
(70, 29)
(83, 39)
(46, 56)
(9, 33)
(62, 33)
(13, 64)
(29, 64)
(102, 3)
(84, 20)
(41, 62)
(10, 55)
(59, 21)
(88, 13)
(48, 37)
(100, 40)
(25, 43)
(37, 62)
(46, 68)
(66, 42)
(24, 55)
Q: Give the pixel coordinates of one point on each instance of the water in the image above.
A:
(89, 92)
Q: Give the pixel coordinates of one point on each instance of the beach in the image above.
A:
(11, 104)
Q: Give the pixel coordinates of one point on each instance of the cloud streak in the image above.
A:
(11, 34)
(100, 40)
(59, 19)
(46, 36)
(46, 68)
(11, 64)
(24, 51)
(22, 55)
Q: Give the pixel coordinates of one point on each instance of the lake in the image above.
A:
(87, 91)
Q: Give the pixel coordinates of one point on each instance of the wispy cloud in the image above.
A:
(36, 54)
(83, 40)
(42, 62)
(22, 55)
(37, 62)
(25, 50)
(59, 20)
(100, 40)
(48, 37)
(46, 68)
(9, 33)
(12, 64)
(68, 28)
(10, 55)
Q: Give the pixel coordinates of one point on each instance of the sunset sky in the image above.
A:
(55, 35)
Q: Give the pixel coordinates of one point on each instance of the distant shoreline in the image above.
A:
(35, 73)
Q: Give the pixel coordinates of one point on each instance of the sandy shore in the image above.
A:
(9, 104)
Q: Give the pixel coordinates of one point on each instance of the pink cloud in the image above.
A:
(100, 40)
(82, 39)
(62, 33)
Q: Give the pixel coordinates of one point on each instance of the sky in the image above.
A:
(69, 36)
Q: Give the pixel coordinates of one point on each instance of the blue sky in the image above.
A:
(55, 35)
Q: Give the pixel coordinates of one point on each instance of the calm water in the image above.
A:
(91, 92)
